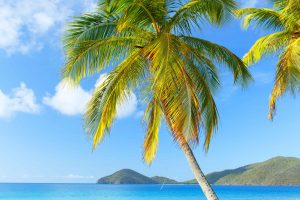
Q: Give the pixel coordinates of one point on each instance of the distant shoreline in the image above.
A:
(194, 184)
(277, 171)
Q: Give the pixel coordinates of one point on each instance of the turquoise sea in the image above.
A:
(141, 192)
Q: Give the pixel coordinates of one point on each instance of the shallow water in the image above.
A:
(141, 192)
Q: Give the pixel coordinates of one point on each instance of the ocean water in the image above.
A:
(141, 192)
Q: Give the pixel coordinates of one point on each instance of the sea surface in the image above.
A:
(141, 192)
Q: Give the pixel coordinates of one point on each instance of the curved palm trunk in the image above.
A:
(200, 177)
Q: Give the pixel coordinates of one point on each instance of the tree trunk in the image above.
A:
(200, 177)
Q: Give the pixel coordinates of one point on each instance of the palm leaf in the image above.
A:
(189, 14)
(287, 74)
(101, 110)
(267, 45)
(284, 16)
(221, 55)
(149, 44)
(264, 17)
(153, 117)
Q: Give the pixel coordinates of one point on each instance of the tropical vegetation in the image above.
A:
(283, 20)
(275, 171)
(148, 48)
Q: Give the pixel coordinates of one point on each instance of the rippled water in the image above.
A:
(141, 192)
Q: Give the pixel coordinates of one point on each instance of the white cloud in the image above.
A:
(68, 100)
(26, 25)
(75, 176)
(128, 107)
(23, 22)
(101, 79)
(21, 99)
(72, 101)
(89, 5)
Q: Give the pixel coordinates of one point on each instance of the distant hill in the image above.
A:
(276, 171)
(126, 176)
(163, 180)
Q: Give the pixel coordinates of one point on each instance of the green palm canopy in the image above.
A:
(284, 21)
(149, 47)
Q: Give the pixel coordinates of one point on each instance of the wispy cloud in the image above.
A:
(76, 176)
(70, 178)
(227, 92)
(20, 99)
(26, 25)
(262, 77)
(24, 22)
(89, 5)
(72, 101)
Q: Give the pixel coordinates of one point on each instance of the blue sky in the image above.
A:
(41, 134)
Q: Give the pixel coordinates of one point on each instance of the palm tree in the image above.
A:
(284, 20)
(149, 47)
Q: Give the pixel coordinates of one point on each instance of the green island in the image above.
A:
(275, 171)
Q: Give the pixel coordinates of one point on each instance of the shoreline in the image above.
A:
(179, 184)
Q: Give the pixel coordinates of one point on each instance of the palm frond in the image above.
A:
(221, 55)
(287, 74)
(101, 110)
(280, 4)
(284, 16)
(267, 45)
(170, 83)
(264, 17)
(153, 117)
(208, 109)
(192, 12)
(91, 56)
(185, 96)
(147, 42)
(143, 13)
